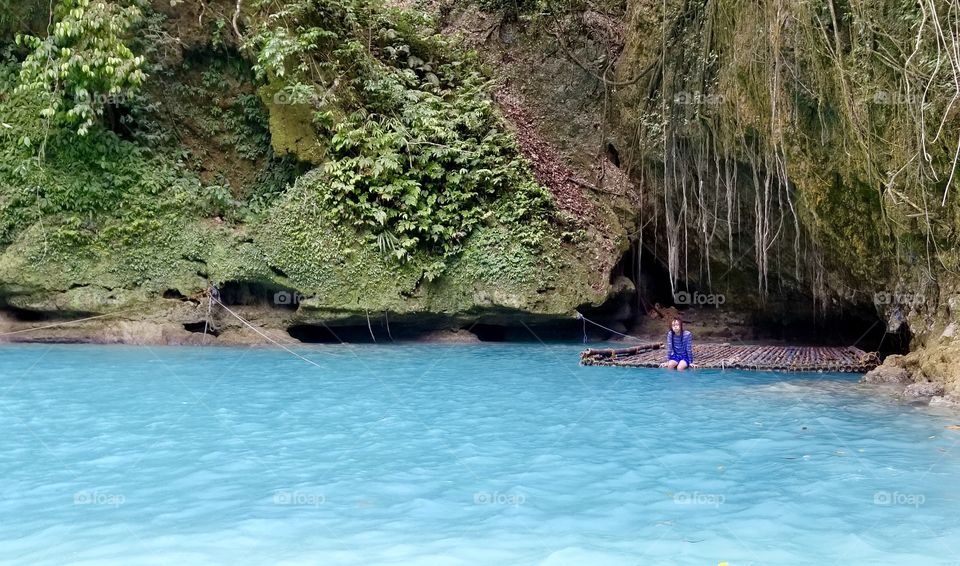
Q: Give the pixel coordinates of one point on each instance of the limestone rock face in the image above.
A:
(950, 331)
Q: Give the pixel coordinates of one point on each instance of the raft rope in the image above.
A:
(206, 321)
(370, 328)
(122, 311)
(251, 327)
(586, 320)
(65, 323)
(386, 315)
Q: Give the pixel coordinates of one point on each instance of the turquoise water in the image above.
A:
(439, 454)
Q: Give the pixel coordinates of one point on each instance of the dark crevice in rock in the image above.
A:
(649, 275)
(613, 155)
(120, 119)
(435, 327)
(639, 284)
(557, 330)
(174, 294)
(31, 315)
(850, 326)
(323, 334)
(199, 327)
(896, 342)
(356, 329)
(490, 332)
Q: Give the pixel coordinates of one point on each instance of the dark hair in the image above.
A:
(677, 319)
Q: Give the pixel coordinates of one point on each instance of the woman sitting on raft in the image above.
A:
(679, 347)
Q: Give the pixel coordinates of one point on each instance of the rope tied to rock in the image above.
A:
(597, 324)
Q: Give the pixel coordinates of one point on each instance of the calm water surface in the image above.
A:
(440, 454)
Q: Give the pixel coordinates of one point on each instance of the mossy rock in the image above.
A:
(291, 126)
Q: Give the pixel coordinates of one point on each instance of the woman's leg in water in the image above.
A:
(672, 364)
(682, 365)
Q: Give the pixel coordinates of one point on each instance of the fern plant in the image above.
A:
(416, 151)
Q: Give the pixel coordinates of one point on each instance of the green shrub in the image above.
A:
(84, 65)
(416, 151)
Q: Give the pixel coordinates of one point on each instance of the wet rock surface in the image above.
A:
(919, 391)
(951, 400)
(887, 374)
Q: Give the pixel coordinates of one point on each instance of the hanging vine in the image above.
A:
(799, 111)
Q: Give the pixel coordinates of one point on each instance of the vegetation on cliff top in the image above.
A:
(415, 150)
(420, 178)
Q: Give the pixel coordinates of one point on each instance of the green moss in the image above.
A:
(105, 221)
(291, 126)
(334, 264)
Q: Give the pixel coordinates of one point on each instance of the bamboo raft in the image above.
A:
(763, 358)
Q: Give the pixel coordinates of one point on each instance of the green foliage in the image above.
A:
(84, 64)
(418, 157)
(100, 188)
(416, 152)
(269, 185)
(421, 176)
(251, 130)
(325, 258)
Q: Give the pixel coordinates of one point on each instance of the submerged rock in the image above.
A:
(922, 390)
(450, 335)
(951, 400)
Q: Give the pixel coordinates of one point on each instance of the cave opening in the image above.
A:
(490, 332)
(36, 315)
(325, 334)
(553, 330)
(322, 334)
(258, 293)
(786, 317)
(640, 284)
(613, 155)
(201, 327)
(649, 276)
(854, 325)
(174, 294)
